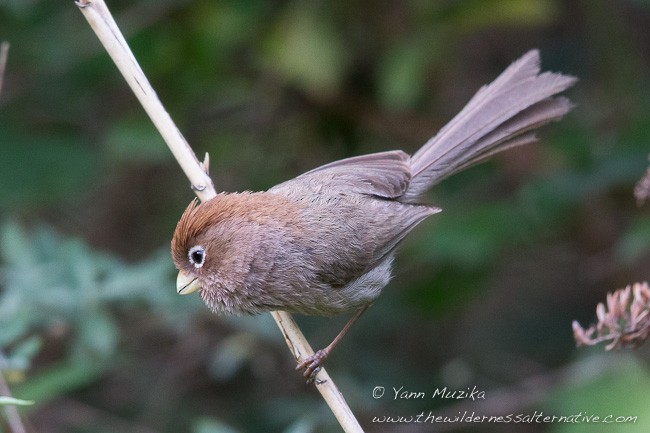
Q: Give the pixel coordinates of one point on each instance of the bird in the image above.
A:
(323, 243)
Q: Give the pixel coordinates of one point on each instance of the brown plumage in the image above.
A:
(323, 243)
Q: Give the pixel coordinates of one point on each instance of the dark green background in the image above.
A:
(484, 293)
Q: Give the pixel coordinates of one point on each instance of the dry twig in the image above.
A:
(11, 411)
(4, 53)
(106, 29)
(13, 417)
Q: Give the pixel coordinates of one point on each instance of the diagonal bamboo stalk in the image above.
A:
(101, 21)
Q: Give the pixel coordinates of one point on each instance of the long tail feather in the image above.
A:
(499, 116)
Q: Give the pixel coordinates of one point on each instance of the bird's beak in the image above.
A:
(186, 284)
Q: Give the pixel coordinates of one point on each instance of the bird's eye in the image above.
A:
(197, 256)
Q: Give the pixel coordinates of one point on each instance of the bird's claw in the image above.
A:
(312, 365)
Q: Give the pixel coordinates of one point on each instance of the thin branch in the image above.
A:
(102, 23)
(11, 411)
(301, 349)
(4, 53)
(109, 34)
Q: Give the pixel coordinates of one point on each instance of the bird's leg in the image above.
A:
(312, 364)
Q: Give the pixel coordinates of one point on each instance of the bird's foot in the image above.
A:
(312, 365)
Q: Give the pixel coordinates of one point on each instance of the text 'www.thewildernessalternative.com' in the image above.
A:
(534, 418)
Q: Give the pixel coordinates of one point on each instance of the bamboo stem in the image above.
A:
(101, 21)
(107, 31)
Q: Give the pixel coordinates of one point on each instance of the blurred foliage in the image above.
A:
(60, 290)
(484, 294)
(619, 391)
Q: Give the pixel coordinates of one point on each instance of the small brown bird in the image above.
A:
(323, 243)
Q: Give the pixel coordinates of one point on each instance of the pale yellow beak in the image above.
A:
(186, 284)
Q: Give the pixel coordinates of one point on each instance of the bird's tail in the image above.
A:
(501, 115)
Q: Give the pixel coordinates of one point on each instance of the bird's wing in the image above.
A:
(384, 174)
(358, 199)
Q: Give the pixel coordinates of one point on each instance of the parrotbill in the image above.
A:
(323, 243)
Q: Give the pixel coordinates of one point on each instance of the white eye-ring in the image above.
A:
(196, 255)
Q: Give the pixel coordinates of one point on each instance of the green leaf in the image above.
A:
(306, 424)
(603, 385)
(232, 354)
(134, 140)
(209, 425)
(307, 51)
(42, 169)
(473, 238)
(402, 75)
(635, 242)
(17, 250)
(98, 334)
(61, 378)
(20, 357)
(474, 15)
